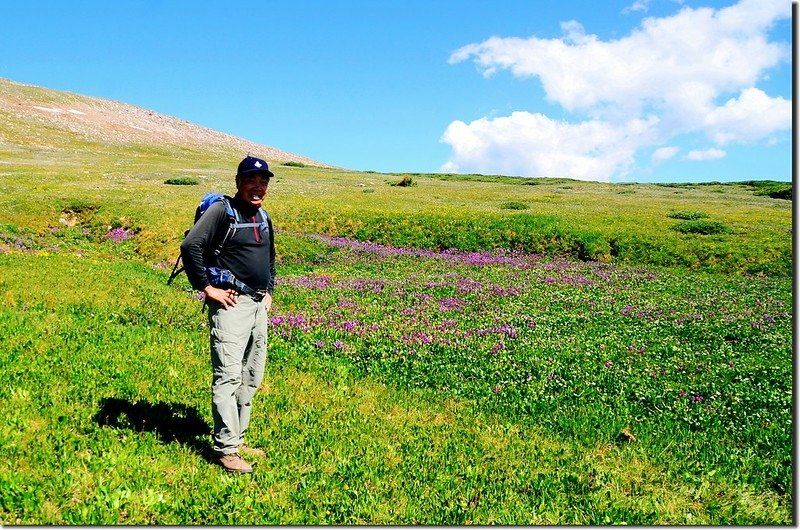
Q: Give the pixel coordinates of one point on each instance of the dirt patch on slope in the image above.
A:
(108, 121)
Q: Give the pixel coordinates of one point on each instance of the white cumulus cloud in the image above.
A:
(529, 144)
(664, 153)
(708, 154)
(750, 117)
(697, 71)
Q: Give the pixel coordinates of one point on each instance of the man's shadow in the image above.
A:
(170, 422)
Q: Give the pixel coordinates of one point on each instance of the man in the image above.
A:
(238, 279)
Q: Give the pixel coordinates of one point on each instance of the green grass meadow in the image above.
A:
(453, 350)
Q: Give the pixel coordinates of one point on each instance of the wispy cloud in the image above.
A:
(638, 5)
(664, 153)
(670, 73)
(708, 154)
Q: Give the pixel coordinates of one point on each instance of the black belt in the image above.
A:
(222, 277)
(255, 294)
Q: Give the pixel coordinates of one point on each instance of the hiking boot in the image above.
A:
(251, 451)
(233, 463)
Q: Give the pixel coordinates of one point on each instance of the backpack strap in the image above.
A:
(264, 217)
(235, 222)
(262, 225)
(176, 270)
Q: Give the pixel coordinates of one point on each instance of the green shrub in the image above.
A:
(405, 182)
(686, 215)
(593, 247)
(514, 205)
(675, 185)
(79, 206)
(782, 194)
(294, 164)
(777, 192)
(701, 227)
(182, 181)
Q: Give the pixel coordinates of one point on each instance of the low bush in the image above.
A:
(770, 188)
(785, 193)
(182, 181)
(701, 227)
(405, 182)
(686, 215)
(294, 164)
(78, 206)
(514, 205)
(777, 192)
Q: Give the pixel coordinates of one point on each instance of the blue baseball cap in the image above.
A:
(252, 165)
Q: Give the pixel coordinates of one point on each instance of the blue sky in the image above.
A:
(633, 90)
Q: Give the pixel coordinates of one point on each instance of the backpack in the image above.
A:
(234, 223)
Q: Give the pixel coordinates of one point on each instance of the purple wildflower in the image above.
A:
(118, 235)
(451, 304)
(347, 304)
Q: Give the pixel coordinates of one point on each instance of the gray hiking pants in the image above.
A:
(238, 354)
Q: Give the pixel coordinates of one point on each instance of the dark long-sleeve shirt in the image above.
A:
(249, 254)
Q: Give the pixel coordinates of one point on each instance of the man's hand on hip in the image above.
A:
(267, 302)
(226, 297)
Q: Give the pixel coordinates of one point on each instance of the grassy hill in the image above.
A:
(444, 349)
(113, 160)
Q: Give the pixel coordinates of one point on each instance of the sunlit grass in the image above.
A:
(627, 223)
(343, 447)
(413, 377)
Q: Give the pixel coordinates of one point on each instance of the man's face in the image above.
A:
(252, 188)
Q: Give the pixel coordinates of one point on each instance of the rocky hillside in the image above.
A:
(42, 118)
